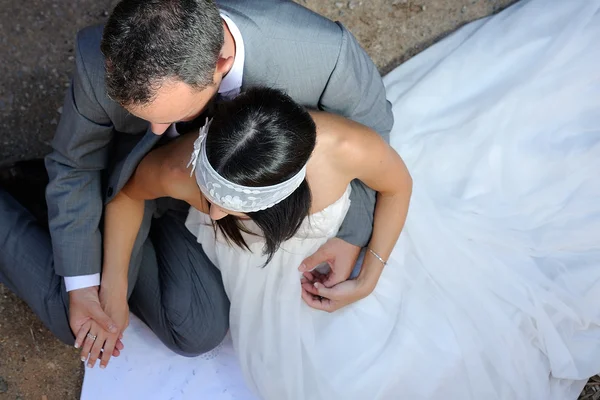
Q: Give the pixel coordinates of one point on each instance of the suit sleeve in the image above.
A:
(75, 166)
(355, 90)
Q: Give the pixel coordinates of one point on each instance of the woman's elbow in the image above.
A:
(408, 181)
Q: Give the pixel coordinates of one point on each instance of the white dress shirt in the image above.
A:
(230, 87)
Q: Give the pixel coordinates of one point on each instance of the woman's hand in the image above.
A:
(85, 311)
(98, 343)
(330, 299)
(113, 300)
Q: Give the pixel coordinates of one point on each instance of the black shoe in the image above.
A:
(26, 181)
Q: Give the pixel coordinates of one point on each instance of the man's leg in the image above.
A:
(179, 293)
(27, 267)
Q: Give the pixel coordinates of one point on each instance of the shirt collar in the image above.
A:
(233, 80)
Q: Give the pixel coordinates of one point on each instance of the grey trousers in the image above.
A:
(173, 286)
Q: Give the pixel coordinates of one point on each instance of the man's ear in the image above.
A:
(224, 65)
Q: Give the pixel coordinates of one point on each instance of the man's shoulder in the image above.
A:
(88, 47)
(282, 20)
(89, 62)
(286, 46)
(90, 71)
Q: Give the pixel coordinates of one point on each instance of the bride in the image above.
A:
(487, 285)
(269, 182)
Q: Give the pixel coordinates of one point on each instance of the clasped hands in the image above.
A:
(333, 290)
(98, 317)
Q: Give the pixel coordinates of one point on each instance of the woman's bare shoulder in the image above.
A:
(340, 138)
(164, 172)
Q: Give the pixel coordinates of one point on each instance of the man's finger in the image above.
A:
(104, 320)
(80, 338)
(324, 291)
(109, 348)
(319, 276)
(308, 276)
(96, 350)
(311, 300)
(310, 288)
(311, 262)
(88, 342)
(116, 352)
(316, 302)
(120, 344)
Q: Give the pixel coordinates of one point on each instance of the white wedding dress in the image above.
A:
(493, 290)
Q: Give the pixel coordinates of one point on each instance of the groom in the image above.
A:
(150, 73)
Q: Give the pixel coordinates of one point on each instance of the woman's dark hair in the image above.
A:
(147, 41)
(263, 138)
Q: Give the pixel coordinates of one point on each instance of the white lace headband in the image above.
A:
(231, 196)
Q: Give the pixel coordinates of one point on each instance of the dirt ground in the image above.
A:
(36, 49)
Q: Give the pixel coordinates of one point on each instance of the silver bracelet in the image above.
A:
(378, 257)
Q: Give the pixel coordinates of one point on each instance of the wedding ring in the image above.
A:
(93, 337)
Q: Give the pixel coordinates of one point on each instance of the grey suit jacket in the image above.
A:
(98, 144)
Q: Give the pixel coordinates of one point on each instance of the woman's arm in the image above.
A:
(365, 156)
(360, 153)
(162, 173)
(159, 174)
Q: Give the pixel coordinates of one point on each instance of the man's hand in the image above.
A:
(97, 343)
(318, 296)
(341, 257)
(84, 311)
